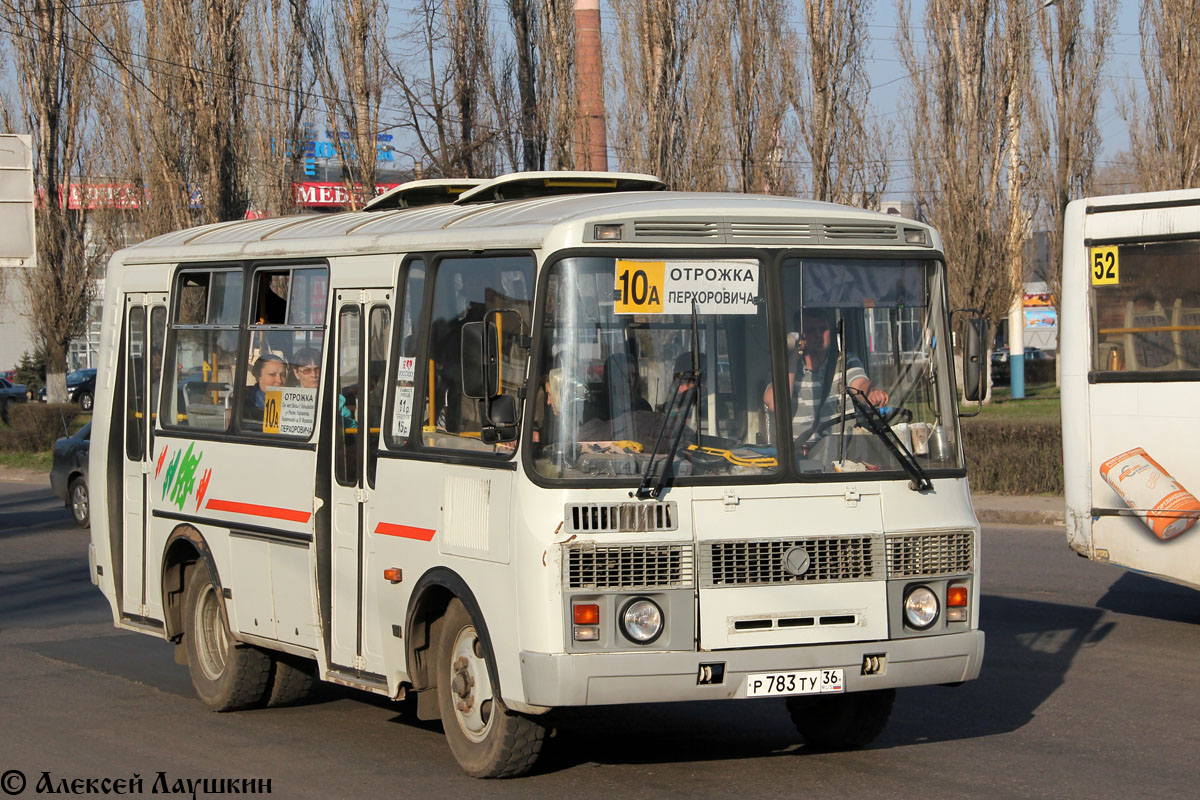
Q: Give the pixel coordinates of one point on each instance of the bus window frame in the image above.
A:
(253, 268)
(772, 261)
(1100, 376)
(231, 431)
(415, 448)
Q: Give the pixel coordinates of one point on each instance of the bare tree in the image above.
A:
(282, 74)
(450, 89)
(970, 92)
(654, 42)
(55, 68)
(1164, 125)
(759, 70)
(556, 77)
(1066, 135)
(846, 151)
(525, 25)
(345, 40)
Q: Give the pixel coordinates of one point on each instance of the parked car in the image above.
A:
(1000, 370)
(69, 475)
(10, 393)
(81, 388)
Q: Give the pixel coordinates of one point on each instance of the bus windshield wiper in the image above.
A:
(671, 431)
(675, 421)
(878, 425)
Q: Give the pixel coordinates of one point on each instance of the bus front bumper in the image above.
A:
(610, 678)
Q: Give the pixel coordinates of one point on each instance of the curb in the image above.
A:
(997, 516)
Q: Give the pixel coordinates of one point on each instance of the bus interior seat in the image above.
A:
(1187, 342)
(1148, 349)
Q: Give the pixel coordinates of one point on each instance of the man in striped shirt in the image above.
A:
(815, 378)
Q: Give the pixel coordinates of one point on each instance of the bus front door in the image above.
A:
(145, 327)
(363, 322)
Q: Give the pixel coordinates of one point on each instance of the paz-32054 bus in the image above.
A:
(546, 441)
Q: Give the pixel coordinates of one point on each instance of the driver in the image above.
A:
(815, 377)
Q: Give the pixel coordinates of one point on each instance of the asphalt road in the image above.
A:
(1088, 690)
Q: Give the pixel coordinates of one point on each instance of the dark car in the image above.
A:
(10, 393)
(69, 475)
(81, 388)
(1000, 370)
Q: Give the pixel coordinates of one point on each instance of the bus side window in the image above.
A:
(465, 289)
(407, 370)
(207, 309)
(283, 359)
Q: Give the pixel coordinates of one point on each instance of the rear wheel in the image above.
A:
(291, 679)
(487, 739)
(226, 675)
(77, 493)
(85, 401)
(842, 721)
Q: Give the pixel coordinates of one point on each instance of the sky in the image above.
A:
(888, 79)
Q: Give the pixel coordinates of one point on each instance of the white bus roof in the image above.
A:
(650, 217)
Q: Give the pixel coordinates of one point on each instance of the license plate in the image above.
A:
(778, 684)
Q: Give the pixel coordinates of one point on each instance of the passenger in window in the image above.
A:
(306, 368)
(269, 371)
(815, 378)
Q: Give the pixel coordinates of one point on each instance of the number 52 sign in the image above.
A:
(727, 286)
(1105, 266)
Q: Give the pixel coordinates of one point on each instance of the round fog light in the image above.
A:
(921, 608)
(642, 621)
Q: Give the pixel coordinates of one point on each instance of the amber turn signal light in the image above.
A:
(587, 614)
(956, 596)
(393, 574)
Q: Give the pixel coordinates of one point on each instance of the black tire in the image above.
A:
(842, 721)
(487, 739)
(77, 501)
(226, 675)
(86, 401)
(291, 679)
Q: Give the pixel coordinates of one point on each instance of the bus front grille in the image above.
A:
(779, 561)
(913, 555)
(621, 517)
(648, 566)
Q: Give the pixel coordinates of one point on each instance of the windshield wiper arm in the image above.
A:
(671, 430)
(878, 425)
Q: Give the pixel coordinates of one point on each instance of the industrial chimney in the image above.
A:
(591, 143)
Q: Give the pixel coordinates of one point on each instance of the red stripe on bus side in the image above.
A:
(405, 531)
(259, 511)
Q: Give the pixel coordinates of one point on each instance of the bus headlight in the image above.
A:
(920, 607)
(642, 620)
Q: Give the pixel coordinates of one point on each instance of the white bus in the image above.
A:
(1130, 365)
(507, 446)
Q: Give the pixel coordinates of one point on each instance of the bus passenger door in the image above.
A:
(145, 326)
(360, 356)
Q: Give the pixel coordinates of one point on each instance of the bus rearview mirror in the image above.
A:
(974, 359)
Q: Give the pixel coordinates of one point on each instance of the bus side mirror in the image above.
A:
(503, 414)
(975, 360)
(480, 360)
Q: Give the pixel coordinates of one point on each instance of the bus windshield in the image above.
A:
(607, 374)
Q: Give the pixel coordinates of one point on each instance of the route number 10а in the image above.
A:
(639, 288)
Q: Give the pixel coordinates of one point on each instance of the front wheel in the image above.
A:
(842, 721)
(78, 494)
(226, 675)
(85, 401)
(487, 739)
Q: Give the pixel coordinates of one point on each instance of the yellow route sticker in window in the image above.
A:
(272, 410)
(1105, 266)
(639, 288)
